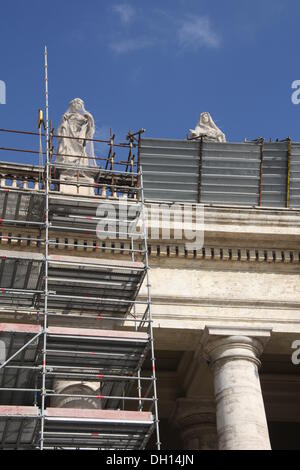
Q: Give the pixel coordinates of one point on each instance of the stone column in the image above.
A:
(233, 355)
(195, 420)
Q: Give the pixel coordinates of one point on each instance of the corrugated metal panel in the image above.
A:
(230, 172)
(295, 175)
(170, 169)
(274, 184)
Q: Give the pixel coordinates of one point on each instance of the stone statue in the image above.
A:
(207, 129)
(77, 152)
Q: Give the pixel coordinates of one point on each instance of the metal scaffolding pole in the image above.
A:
(158, 443)
(44, 371)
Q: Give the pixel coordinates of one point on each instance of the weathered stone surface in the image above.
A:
(195, 420)
(241, 418)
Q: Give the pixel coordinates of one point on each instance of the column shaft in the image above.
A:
(241, 418)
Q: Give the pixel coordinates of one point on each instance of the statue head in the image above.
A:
(76, 105)
(205, 118)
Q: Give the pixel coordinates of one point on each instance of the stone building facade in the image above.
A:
(225, 320)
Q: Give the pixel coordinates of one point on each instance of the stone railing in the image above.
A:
(18, 176)
(30, 177)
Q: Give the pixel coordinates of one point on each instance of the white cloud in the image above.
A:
(125, 11)
(190, 33)
(195, 32)
(129, 45)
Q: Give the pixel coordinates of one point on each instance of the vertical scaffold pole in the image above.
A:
(45, 326)
(158, 444)
(139, 385)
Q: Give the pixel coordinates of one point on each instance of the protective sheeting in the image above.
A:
(230, 173)
(22, 206)
(295, 176)
(170, 169)
(275, 169)
(251, 173)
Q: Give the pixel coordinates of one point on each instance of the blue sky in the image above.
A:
(155, 64)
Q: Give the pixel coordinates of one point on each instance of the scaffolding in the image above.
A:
(82, 319)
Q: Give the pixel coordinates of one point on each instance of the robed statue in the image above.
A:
(75, 150)
(207, 129)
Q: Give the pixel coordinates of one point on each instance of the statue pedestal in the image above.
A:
(83, 185)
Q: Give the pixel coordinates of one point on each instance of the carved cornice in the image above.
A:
(19, 240)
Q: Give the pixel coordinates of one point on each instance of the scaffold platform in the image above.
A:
(101, 286)
(110, 357)
(67, 428)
